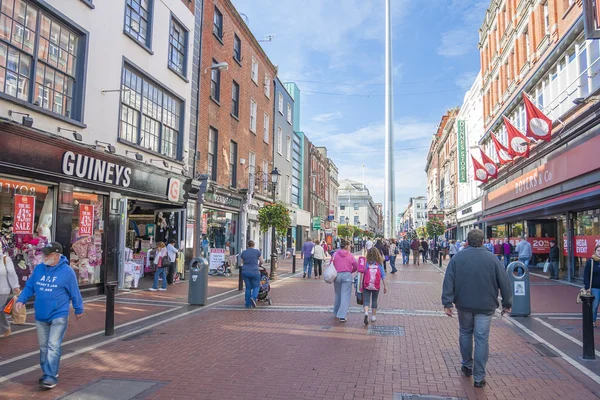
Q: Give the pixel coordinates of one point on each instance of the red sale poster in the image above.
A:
(24, 214)
(584, 245)
(86, 220)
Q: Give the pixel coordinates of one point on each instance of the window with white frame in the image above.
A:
(280, 104)
(546, 19)
(289, 113)
(252, 162)
(266, 128)
(527, 44)
(254, 75)
(265, 174)
(267, 86)
(213, 138)
(288, 149)
(253, 115)
(279, 140)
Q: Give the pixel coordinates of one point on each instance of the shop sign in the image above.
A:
(316, 223)
(216, 258)
(539, 245)
(569, 164)
(80, 166)
(223, 199)
(467, 210)
(432, 215)
(86, 220)
(584, 245)
(174, 188)
(14, 187)
(24, 215)
(204, 223)
(462, 152)
(189, 236)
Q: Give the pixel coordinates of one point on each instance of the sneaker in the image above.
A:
(366, 319)
(162, 289)
(152, 289)
(373, 318)
(7, 333)
(480, 384)
(253, 303)
(304, 276)
(48, 384)
(467, 371)
(343, 320)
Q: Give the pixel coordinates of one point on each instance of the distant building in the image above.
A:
(415, 214)
(357, 205)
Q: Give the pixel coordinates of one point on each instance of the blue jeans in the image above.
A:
(405, 257)
(506, 260)
(308, 263)
(596, 293)
(252, 283)
(50, 337)
(393, 263)
(477, 325)
(157, 274)
(525, 260)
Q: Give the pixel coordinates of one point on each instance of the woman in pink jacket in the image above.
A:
(345, 264)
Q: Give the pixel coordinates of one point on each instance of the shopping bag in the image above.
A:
(18, 317)
(330, 273)
(9, 306)
(546, 266)
(359, 298)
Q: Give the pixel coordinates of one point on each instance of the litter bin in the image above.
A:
(198, 289)
(518, 275)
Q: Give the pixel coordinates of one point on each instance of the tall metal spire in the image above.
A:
(389, 190)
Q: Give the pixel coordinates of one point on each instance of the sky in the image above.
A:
(334, 51)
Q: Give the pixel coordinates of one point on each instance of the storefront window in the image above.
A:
(499, 231)
(27, 212)
(219, 236)
(87, 229)
(516, 230)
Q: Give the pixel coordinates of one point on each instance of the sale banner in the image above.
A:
(86, 220)
(540, 245)
(24, 215)
(584, 245)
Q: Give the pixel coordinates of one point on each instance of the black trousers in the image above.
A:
(318, 264)
(170, 271)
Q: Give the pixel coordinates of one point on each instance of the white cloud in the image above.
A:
(462, 40)
(327, 117)
(466, 80)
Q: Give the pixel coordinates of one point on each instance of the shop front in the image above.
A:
(555, 197)
(220, 226)
(468, 218)
(52, 189)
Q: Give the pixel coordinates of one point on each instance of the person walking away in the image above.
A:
(498, 249)
(160, 259)
(205, 245)
(9, 282)
(507, 247)
(393, 254)
(414, 246)
(452, 249)
(553, 258)
(524, 250)
(373, 278)
(444, 247)
(172, 252)
(594, 288)
(368, 245)
(386, 255)
(54, 284)
(473, 278)
(308, 249)
(345, 264)
(425, 247)
(318, 257)
(251, 259)
(405, 251)
(489, 246)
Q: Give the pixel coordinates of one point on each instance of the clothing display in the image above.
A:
(86, 257)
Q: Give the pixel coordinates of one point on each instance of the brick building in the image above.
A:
(235, 124)
(319, 190)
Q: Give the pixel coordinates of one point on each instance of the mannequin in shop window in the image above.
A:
(161, 225)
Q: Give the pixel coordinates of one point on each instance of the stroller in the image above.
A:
(265, 286)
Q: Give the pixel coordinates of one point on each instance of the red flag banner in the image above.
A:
(480, 174)
(539, 126)
(502, 151)
(518, 144)
(489, 164)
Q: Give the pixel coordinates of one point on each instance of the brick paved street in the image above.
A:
(296, 349)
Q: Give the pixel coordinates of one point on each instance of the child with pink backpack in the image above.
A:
(374, 276)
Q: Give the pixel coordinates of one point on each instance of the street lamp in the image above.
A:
(274, 180)
(436, 249)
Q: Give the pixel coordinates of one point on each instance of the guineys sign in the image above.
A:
(80, 166)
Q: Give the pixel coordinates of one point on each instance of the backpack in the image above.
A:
(372, 278)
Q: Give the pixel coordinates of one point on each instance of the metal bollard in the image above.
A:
(109, 322)
(240, 280)
(589, 352)
(440, 260)
(293, 264)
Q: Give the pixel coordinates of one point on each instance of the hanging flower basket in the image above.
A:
(274, 214)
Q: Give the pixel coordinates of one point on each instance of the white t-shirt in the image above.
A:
(319, 254)
(368, 245)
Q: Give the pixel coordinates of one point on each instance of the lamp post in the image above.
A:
(274, 179)
(436, 249)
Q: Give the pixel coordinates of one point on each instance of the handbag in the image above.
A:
(330, 272)
(546, 266)
(387, 258)
(583, 291)
(9, 306)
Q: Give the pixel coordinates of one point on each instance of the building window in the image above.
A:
(265, 175)
(546, 19)
(213, 139)
(342, 207)
(235, 99)
(254, 75)
(266, 128)
(279, 140)
(288, 154)
(267, 86)
(527, 50)
(233, 164)
(138, 14)
(253, 115)
(252, 162)
(151, 117)
(237, 48)
(280, 105)
(342, 219)
(58, 55)
(215, 82)
(356, 206)
(356, 221)
(177, 47)
(218, 24)
(289, 113)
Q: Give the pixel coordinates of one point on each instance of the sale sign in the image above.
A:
(86, 220)
(540, 245)
(584, 245)
(24, 215)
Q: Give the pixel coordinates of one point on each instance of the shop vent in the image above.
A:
(383, 330)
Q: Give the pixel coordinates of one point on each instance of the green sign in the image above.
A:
(316, 223)
(462, 152)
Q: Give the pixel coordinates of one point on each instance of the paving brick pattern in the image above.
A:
(248, 354)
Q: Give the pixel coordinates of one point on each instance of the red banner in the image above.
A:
(24, 215)
(539, 245)
(584, 245)
(86, 220)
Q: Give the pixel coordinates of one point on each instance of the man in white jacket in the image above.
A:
(318, 257)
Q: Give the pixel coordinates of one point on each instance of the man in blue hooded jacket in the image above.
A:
(54, 285)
